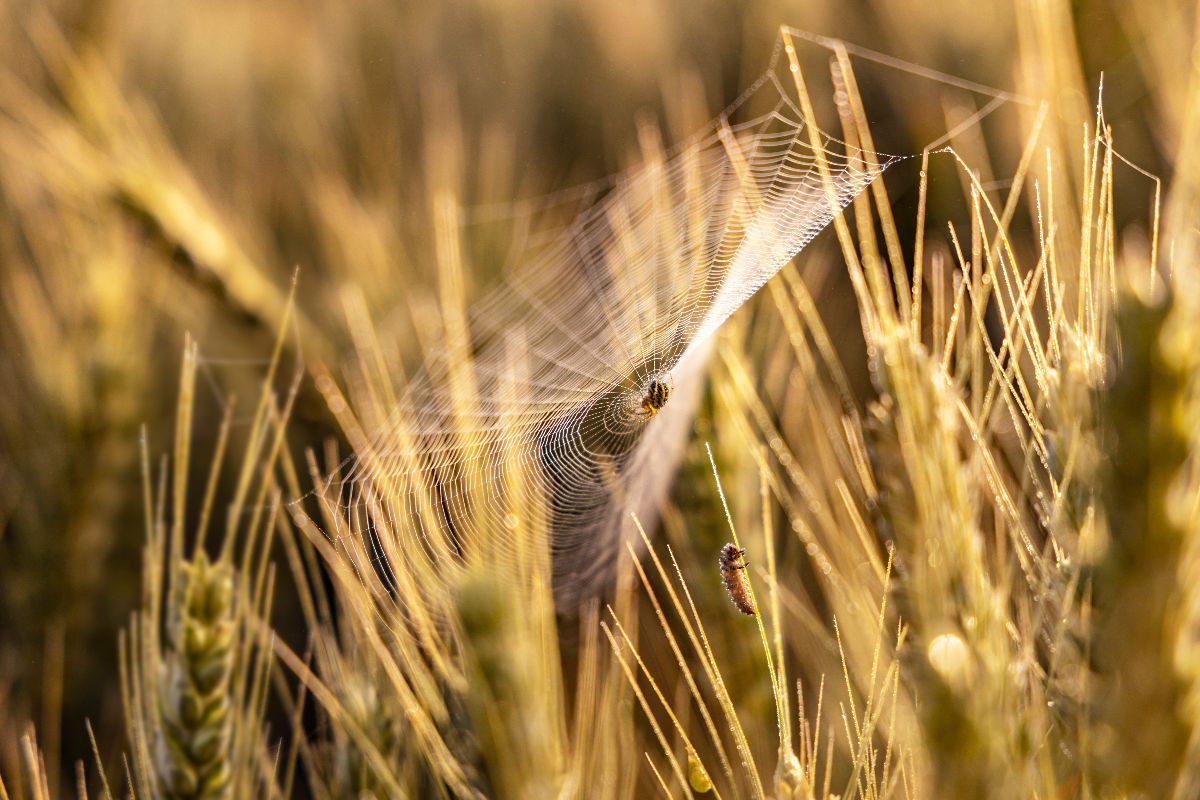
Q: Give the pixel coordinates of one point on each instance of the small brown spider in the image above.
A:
(658, 391)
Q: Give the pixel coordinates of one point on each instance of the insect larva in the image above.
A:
(733, 575)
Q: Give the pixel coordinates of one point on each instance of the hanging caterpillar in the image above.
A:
(733, 575)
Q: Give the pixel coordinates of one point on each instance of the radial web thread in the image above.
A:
(552, 405)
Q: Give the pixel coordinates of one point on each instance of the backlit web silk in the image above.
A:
(546, 423)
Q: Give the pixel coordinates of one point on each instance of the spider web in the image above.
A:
(543, 417)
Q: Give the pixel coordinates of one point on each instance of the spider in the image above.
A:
(658, 391)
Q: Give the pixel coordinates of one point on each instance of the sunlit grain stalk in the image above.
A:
(192, 756)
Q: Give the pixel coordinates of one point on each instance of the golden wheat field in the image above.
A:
(534, 399)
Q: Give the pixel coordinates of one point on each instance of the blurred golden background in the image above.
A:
(167, 168)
